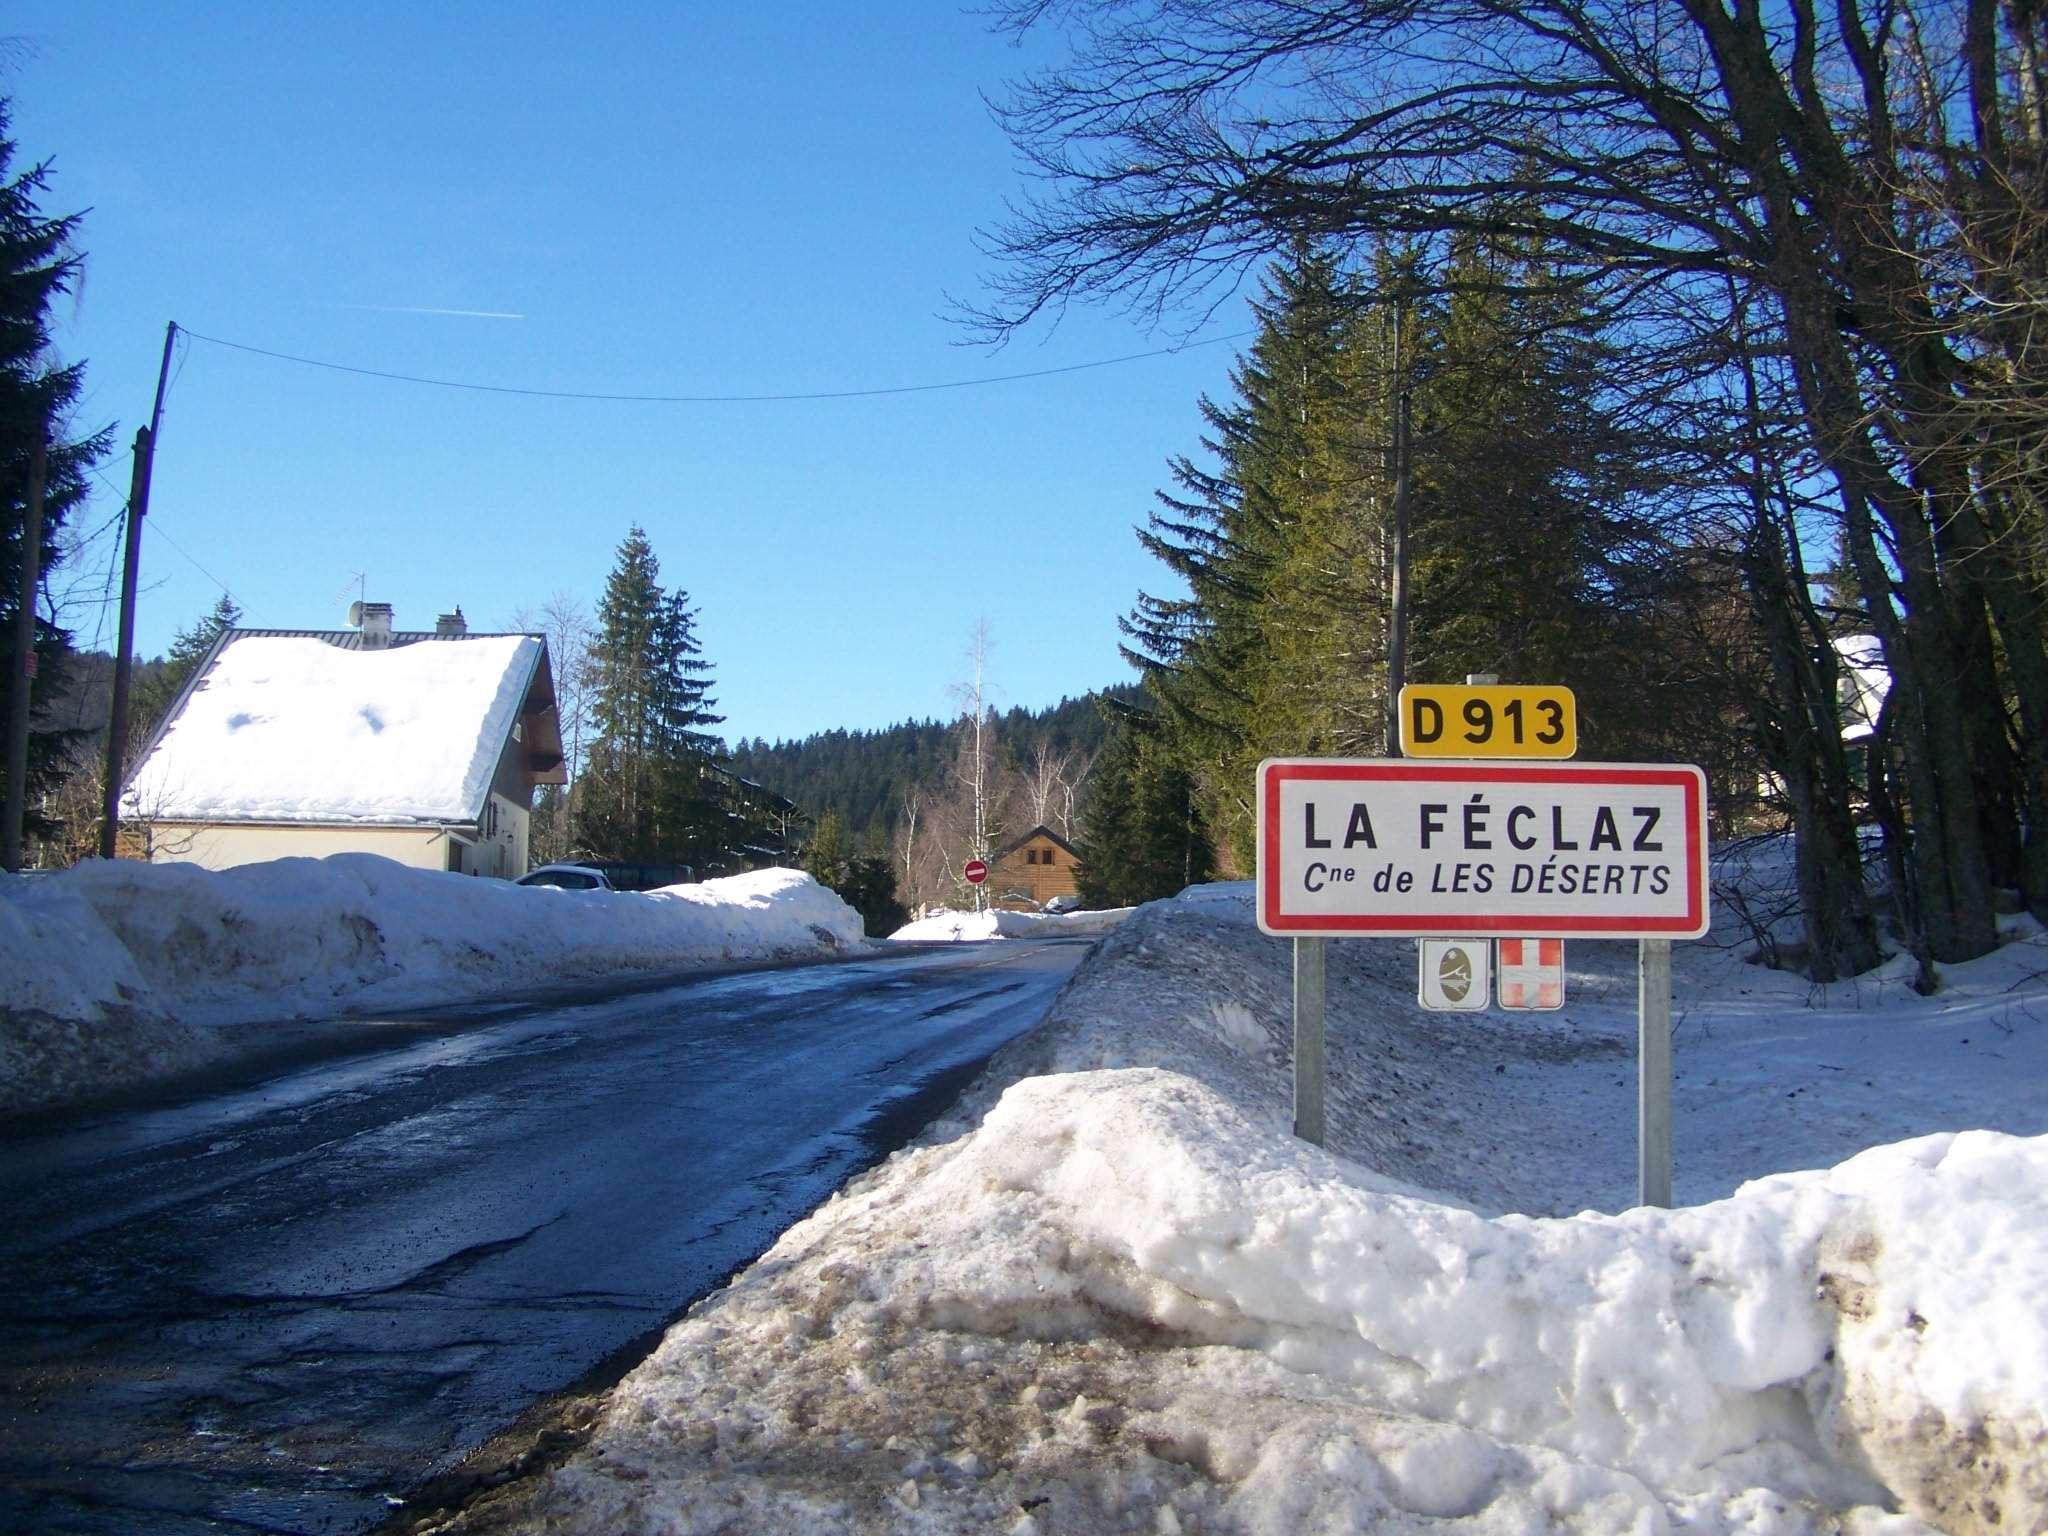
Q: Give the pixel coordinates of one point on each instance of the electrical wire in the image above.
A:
(621, 399)
(154, 523)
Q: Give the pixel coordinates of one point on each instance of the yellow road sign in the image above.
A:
(1492, 720)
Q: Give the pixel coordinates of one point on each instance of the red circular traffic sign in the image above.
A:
(976, 871)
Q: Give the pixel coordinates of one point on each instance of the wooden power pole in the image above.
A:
(24, 659)
(124, 658)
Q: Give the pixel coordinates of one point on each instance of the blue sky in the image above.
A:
(672, 200)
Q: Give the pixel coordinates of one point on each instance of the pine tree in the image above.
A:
(1142, 835)
(156, 692)
(652, 790)
(866, 881)
(825, 855)
(869, 887)
(37, 264)
(691, 796)
(1224, 661)
(1525, 558)
(1526, 561)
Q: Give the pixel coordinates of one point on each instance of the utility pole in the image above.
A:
(24, 657)
(1397, 629)
(124, 658)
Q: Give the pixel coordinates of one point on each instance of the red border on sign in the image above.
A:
(1556, 925)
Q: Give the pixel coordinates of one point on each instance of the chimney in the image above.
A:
(452, 623)
(374, 620)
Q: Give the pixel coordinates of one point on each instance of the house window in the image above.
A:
(1045, 857)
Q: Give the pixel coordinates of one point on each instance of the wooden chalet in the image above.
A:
(1026, 874)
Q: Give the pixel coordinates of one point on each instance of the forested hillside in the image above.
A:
(865, 778)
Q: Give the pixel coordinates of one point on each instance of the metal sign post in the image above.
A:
(1653, 1073)
(1308, 1039)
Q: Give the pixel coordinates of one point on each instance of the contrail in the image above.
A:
(420, 309)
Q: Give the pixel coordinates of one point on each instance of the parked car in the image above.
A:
(567, 877)
(643, 877)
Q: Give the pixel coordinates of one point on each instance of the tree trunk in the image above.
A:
(1804, 747)
(1952, 881)
(1982, 528)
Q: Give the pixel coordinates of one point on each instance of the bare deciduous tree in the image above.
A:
(565, 622)
(976, 770)
(906, 847)
(1051, 786)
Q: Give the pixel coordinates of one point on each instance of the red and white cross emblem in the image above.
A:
(1531, 973)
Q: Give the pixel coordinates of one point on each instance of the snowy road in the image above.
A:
(279, 1307)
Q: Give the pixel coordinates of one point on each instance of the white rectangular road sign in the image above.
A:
(1399, 847)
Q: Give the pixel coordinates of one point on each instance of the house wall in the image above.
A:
(502, 839)
(497, 848)
(1021, 884)
(223, 847)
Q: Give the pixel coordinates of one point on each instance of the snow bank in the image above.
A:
(1112, 1292)
(993, 924)
(1150, 1307)
(113, 973)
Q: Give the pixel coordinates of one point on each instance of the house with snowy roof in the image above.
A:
(422, 746)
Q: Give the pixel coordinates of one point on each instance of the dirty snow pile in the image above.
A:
(117, 973)
(952, 927)
(1111, 1292)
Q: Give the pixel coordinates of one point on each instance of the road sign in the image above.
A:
(1531, 973)
(974, 871)
(1392, 847)
(1444, 720)
(1452, 975)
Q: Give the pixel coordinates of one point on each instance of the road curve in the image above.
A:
(279, 1308)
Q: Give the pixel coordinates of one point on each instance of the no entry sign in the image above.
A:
(974, 871)
(1395, 847)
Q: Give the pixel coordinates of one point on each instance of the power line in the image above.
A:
(829, 394)
(156, 525)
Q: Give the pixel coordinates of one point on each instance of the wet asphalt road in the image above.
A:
(279, 1308)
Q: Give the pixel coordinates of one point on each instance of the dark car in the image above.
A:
(567, 877)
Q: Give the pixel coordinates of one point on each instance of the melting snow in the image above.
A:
(1111, 1292)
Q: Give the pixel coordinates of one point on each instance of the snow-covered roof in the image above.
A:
(293, 728)
(1865, 682)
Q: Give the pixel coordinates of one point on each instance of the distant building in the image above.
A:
(1865, 682)
(423, 746)
(1026, 874)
